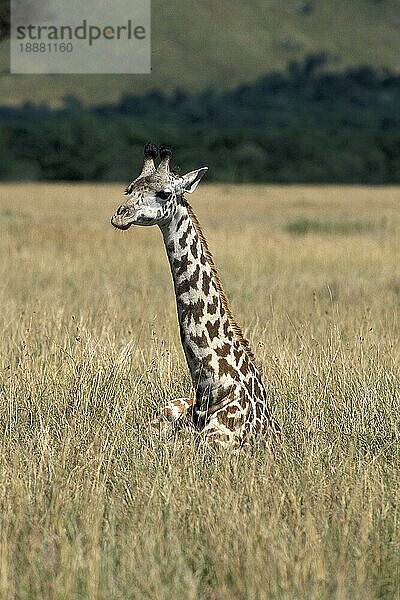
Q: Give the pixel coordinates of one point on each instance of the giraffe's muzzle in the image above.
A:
(122, 218)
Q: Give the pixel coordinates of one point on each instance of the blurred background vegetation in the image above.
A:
(264, 91)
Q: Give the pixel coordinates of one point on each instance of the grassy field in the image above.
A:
(196, 45)
(89, 508)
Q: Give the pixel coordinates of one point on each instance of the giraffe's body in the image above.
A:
(230, 403)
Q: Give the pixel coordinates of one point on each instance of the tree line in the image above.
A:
(304, 124)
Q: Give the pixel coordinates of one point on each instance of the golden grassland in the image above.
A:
(89, 508)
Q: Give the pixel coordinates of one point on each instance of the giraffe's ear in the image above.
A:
(191, 180)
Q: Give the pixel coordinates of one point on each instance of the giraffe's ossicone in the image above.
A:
(230, 403)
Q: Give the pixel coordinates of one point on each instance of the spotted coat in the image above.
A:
(229, 405)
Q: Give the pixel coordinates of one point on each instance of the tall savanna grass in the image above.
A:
(90, 508)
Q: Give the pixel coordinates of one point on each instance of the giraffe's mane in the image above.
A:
(209, 257)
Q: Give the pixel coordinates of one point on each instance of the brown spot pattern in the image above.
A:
(212, 306)
(229, 422)
(223, 350)
(191, 282)
(213, 329)
(193, 310)
(223, 392)
(206, 283)
(237, 354)
(181, 266)
(247, 384)
(199, 340)
(181, 220)
(244, 367)
(193, 248)
(227, 331)
(207, 362)
(183, 240)
(226, 369)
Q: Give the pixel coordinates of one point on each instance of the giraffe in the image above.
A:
(230, 404)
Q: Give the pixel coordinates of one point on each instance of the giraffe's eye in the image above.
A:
(163, 194)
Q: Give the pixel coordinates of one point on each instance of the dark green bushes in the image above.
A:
(303, 125)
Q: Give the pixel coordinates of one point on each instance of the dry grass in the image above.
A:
(89, 509)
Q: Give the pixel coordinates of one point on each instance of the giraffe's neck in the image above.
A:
(213, 344)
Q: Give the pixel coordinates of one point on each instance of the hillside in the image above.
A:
(201, 45)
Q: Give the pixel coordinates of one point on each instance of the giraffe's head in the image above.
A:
(152, 197)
